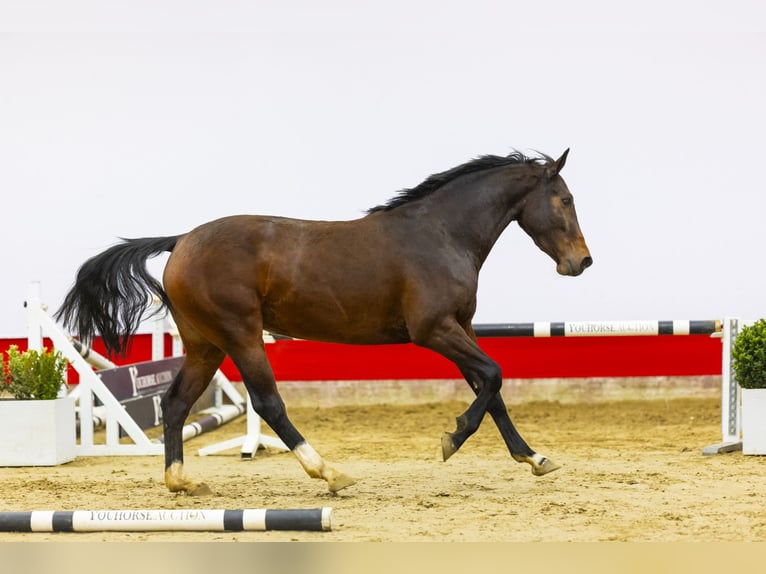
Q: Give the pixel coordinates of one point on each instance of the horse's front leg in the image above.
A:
(468, 422)
(517, 446)
(485, 378)
(451, 340)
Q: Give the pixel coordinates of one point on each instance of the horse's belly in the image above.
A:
(323, 321)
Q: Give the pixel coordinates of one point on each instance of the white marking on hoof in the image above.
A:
(540, 464)
(316, 467)
(176, 482)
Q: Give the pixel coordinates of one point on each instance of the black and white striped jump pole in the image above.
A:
(591, 329)
(222, 415)
(598, 329)
(212, 520)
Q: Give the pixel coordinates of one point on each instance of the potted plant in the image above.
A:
(749, 355)
(37, 426)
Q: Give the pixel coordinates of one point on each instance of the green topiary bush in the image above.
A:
(34, 375)
(749, 355)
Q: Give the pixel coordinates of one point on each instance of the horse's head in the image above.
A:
(549, 218)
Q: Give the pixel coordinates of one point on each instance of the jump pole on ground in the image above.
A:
(212, 520)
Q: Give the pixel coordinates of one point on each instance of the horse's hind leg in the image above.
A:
(202, 361)
(258, 378)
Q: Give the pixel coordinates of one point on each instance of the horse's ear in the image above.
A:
(555, 167)
(559, 164)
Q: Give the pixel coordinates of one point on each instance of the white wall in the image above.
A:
(150, 117)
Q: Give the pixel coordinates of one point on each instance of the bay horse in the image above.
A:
(406, 271)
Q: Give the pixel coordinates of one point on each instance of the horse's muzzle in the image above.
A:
(574, 267)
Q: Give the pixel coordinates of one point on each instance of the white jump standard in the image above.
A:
(211, 520)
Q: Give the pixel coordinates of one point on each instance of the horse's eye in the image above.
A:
(566, 201)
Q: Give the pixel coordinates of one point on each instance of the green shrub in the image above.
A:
(33, 374)
(749, 354)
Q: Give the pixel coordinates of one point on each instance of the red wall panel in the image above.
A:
(519, 357)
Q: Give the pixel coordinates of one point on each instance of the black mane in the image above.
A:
(434, 182)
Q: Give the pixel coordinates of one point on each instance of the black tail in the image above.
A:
(110, 294)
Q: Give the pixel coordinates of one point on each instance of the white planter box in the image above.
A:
(37, 433)
(754, 421)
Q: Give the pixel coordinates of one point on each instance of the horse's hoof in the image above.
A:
(544, 466)
(339, 482)
(448, 446)
(201, 489)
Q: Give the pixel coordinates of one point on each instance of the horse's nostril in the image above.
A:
(586, 262)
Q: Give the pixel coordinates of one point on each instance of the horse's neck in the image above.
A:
(477, 209)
